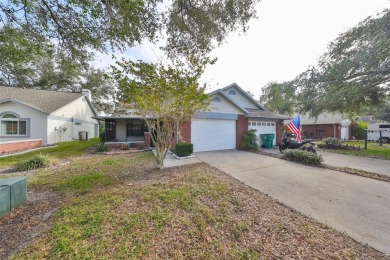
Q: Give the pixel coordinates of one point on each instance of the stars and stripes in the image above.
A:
(294, 127)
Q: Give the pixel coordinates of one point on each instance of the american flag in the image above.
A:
(294, 127)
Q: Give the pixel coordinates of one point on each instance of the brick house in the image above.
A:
(326, 125)
(231, 113)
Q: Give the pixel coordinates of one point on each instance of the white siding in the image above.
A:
(240, 99)
(224, 106)
(75, 117)
(37, 124)
(263, 127)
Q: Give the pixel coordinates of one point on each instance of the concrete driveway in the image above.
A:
(352, 204)
(343, 160)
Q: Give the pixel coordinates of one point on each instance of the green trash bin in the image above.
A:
(268, 140)
(262, 140)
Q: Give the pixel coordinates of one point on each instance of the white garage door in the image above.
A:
(263, 127)
(213, 134)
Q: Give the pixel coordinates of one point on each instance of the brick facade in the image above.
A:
(148, 139)
(279, 132)
(321, 131)
(241, 129)
(17, 146)
(184, 135)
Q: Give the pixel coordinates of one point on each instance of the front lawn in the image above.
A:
(373, 150)
(61, 151)
(121, 207)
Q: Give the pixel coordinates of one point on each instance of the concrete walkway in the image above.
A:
(171, 161)
(352, 204)
(355, 162)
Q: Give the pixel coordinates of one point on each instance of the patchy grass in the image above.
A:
(373, 150)
(120, 207)
(61, 151)
(38, 161)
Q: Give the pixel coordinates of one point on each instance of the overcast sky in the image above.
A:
(288, 36)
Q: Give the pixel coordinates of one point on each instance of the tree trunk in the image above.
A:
(161, 153)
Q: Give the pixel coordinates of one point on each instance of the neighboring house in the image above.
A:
(326, 125)
(232, 112)
(32, 118)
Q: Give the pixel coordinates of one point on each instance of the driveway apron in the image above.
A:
(352, 204)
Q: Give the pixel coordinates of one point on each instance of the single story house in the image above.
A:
(33, 118)
(231, 113)
(326, 125)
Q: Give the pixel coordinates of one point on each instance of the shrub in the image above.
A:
(331, 141)
(303, 157)
(250, 140)
(358, 130)
(101, 148)
(184, 149)
(38, 161)
(102, 135)
(124, 147)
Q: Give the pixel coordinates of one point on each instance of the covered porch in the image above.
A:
(129, 130)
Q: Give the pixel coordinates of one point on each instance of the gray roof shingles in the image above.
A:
(43, 100)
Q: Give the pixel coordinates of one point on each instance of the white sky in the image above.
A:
(288, 36)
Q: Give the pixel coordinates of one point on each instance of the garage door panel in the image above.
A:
(213, 134)
(264, 129)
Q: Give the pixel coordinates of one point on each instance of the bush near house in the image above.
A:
(184, 149)
(38, 161)
(250, 140)
(102, 135)
(101, 148)
(336, 144)
(358, 130)
(303, 157)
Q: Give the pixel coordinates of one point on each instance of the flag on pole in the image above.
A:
(294, 127)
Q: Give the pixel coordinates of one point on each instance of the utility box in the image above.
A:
(83, 135)
(13, 192)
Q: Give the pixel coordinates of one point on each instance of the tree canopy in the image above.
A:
(353, 73)
(191, 27)
(165, 96)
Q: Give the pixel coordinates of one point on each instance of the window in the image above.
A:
(268, 124)
(11, 124)
(263, 124)
(136, 128)
(231, 92)
(272, 124)
(320, 130)
(258, 124)
(216, 99)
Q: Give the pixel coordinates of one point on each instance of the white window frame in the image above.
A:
(16, 119)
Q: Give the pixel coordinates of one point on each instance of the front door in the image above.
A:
(110, 130)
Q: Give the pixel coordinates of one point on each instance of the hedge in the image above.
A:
(184, 149)
(303, 157)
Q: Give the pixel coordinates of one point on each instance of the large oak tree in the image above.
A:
(352, 74)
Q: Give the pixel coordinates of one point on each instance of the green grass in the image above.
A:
(373, 150)
(120, 207)
(103, 218)
(61, 151)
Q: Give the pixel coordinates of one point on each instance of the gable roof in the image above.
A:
(45, 101)
(219, 91)
(243, 92)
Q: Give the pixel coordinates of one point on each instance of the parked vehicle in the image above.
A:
(375, 131)
(289, 142)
